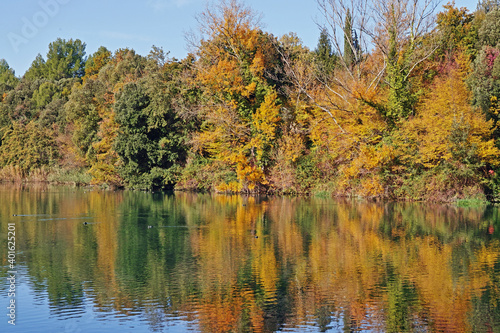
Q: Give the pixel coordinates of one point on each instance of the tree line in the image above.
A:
(398, 100)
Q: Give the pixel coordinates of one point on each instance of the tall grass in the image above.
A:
(38, 175)
(11, 173)
(74, 176)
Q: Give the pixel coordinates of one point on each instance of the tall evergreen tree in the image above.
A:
(349, 57)
(65, 59)
(324, 52)
(8, 79)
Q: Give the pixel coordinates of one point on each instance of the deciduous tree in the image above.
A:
(396, 30)
(241, 112)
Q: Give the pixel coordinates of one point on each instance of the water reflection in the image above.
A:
(209, 263)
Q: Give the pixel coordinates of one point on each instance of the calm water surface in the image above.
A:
(94, 261)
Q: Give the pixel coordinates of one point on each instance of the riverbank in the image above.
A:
(435, 187)
(52, 175)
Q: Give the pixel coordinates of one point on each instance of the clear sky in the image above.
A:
(28, 26)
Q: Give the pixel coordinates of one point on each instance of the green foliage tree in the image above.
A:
(82, 113)
(45, 93)
(8, 79)
(65, 59)
(125, 65)
(400, 98)
(37, 69)
(349, 45)
(325, 56)
(18, 104)
(151, 141)
(489, 32)
(485, 84)
(132, 143)
(28, 146)
(485, 79)
(456, 32)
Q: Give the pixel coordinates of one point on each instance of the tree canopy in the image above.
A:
(397, 100)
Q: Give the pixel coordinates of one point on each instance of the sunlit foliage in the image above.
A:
(249, 111)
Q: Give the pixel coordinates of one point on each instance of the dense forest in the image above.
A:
(398, 100)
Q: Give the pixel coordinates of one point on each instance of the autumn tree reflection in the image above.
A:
(260, 264)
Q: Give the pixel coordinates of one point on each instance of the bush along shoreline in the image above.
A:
(432, 188)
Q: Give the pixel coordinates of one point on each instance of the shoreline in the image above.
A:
(463, 201)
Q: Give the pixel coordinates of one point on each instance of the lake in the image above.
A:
(97, 261)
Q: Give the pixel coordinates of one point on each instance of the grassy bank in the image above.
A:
(53, 175)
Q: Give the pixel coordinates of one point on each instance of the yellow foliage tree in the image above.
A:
(103, 169)
(350, 137)
(447, 128)
(242, 110)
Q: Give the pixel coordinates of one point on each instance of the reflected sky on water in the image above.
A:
(97, 261)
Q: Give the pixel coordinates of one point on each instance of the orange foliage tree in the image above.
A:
(448, 131)
(241, 109)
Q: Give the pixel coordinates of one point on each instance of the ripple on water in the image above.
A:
(65, 311)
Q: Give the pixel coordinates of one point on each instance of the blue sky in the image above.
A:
(28, 26)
